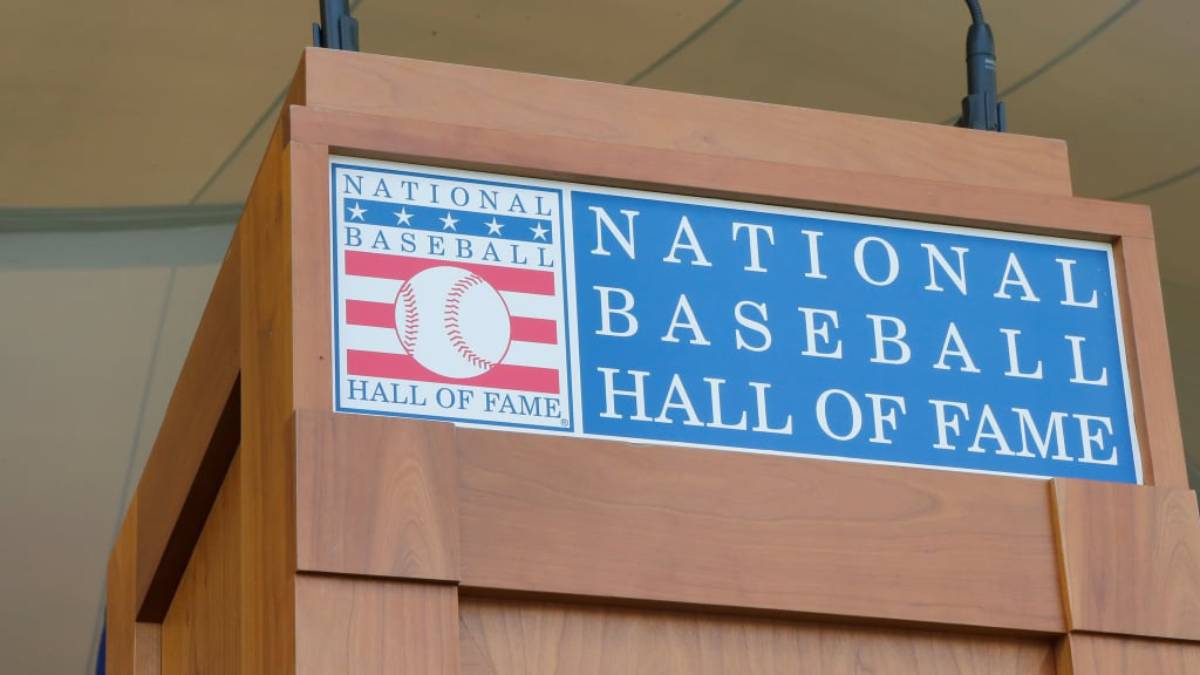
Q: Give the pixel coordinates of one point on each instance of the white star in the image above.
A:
(357, 211)
(539, 232)
(493, 226)
(402, 216)
(448, 222)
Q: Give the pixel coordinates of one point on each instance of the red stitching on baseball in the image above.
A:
(412, 320)
(450, 321)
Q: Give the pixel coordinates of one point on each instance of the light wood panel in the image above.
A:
(505, 637)
(1107, 655)
(201, 633)
(521, 102)
(266, 455)
(376, 497)
(743, 177)
(1149, 353)
(312, 315)
(147, 649)
(659, 523)
(352, 626)
(132, 647)
(1131, 558)
(194, 446)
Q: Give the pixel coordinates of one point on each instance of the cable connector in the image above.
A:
(337, 29)
(980, 109)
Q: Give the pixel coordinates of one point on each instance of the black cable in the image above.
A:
(976, 11)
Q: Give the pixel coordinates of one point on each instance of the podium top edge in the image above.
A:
(474, 96)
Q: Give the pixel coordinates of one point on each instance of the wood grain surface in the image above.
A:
(375, 497)
(196, 441)
(201, 633)
(266, 455)
(1131, 558)
(375, 627)
(504, 637)
(657, 523)
(1149, 354)
(131, 647)
(312, 314)
(739, 177)
(1108, 655)
(559, 107)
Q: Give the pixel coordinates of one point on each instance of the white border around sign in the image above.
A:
(680, 197)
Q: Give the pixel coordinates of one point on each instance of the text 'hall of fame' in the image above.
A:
(562, 308)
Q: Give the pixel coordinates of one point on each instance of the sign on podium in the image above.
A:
(513, 303)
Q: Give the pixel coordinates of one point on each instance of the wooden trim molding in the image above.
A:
(506, 636)
(1149, 354)
(619, 522)
(664, 524)
(1085, 654)
(375, 626)
(1131, 558)
(643, 523)
(555, 107)
(745, 178)
(377, 498)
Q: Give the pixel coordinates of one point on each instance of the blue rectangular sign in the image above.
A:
(502, 302)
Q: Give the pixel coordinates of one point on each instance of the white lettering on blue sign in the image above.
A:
(502, 302)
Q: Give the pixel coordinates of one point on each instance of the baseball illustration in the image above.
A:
(452, 322)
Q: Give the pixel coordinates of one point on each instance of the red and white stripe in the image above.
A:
(368, 293)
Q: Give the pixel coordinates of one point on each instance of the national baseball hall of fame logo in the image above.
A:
(449, 295)
(550, 307)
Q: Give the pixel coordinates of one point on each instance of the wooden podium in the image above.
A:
(270, 535)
